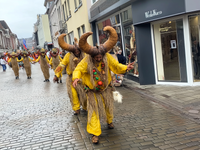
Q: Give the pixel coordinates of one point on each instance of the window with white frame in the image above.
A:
(69, 8)
(83, 28)
(75, 4)
(79, 32)
(63, 12)
(94, 1)
(71, 38)
(66, 10)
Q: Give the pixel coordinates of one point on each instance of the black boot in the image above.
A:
(60, 81)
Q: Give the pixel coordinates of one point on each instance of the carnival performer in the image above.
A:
(14, 63)
(44, 61)
(72, 58)
(55, 61)
(95, 71)
(26, 60)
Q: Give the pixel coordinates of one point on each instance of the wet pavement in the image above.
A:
(37, 115)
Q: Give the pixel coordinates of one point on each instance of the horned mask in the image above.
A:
(54, 52)
(68, 47)
(103, 48)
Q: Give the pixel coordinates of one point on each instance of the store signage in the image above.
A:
(150, 10)
(152, 13)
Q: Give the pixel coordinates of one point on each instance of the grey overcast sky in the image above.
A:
(20, 15)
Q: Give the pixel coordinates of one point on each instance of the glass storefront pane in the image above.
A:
(168, 38)
(194, 23)
(114, 22)
(128, 47)
(129, 40)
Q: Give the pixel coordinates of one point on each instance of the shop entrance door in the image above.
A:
(170, 51)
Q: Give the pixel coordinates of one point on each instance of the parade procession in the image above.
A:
(89, 82)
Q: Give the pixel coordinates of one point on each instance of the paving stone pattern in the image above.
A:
(35, 115)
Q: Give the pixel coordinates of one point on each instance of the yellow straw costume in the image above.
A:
(26, 60)
(14, 62)
(44, 60)
(55, 61)
(96, 76)
(77, 95)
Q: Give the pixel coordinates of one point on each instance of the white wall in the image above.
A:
(192, 5)
(54, 25)
(41, 38)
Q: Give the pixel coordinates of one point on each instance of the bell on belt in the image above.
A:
(103, 72)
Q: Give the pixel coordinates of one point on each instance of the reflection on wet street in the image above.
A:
(38, 115)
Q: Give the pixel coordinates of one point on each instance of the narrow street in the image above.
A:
(36, 115)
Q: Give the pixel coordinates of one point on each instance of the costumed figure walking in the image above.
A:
(26, 60)
(44, 61)
(70, 61)
(13, 61)
(95, 71)
(55, 61)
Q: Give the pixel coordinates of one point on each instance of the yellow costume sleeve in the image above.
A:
(115, 66)
(37, 59)
(60, 58)
(9, 60)
(61, 66)
(47, 59)
(80, 69)
(50, 62)
(29, 59)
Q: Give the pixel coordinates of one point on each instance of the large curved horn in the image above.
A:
(52, 54)
(112, 40)
(64, 45)
(84, 46)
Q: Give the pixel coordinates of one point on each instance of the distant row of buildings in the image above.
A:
(61, 16)
(8, 40)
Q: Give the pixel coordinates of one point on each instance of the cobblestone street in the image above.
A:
(37, 115)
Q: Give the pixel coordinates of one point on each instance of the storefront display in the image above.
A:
(194, 23)
(126, 44)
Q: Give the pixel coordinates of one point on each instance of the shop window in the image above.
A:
(129, 40)
(114, 22)
(194, 23)
(169, 46)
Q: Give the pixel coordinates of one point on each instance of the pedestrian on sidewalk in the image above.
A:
(55, 61)
(70, 61)
(14, 63)
(44, 63)
(26, 61)
(3, 63)
(95, 70)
